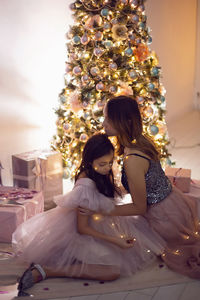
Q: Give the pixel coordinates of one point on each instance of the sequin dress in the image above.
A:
(52, 240)
(174, 217)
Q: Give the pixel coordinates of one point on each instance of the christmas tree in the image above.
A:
(108, 54)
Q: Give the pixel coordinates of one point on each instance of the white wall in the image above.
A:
(32, 56)
(173, 24)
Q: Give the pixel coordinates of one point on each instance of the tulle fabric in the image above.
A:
(176, 220)
(52, 240)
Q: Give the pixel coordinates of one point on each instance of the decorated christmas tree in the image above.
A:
(108, 54)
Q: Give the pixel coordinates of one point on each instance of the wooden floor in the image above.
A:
(185, 148)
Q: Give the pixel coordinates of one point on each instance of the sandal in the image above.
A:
(27, 281)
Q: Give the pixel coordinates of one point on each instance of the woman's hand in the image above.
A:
(123, 243)
(85, 211)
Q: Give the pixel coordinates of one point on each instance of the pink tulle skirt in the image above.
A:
(176, 220)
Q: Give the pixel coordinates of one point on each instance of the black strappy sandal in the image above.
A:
(26, 281)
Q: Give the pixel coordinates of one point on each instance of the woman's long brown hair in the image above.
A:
(123, 113)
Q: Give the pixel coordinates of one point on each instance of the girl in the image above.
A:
(64, 243)
(169, 212)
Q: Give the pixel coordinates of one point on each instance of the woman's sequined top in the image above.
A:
(158, 186)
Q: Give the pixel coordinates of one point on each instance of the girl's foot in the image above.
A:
(33, 274)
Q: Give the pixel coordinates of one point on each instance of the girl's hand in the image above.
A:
(85, 211)
(123, 243)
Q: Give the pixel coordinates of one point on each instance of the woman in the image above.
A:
(169, 212)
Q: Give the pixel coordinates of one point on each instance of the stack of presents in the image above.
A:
(37, 178)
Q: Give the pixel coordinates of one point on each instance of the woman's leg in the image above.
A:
(96, 272)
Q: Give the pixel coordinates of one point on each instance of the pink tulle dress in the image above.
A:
(52, 240)
(174, 217)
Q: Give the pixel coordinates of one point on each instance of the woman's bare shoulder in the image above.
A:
(129, 151)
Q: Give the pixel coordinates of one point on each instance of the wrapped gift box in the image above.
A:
(179, 177)
(40, 170)
(194, 192)
(16, 206)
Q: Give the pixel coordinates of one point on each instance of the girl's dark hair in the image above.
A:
(124, 114)
(97, 146)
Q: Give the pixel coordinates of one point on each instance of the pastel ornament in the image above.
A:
(133, 2)
(129, 51)
(76, 39)
(98, 36)
(100, 86)
(154, 129)
(85, 39)
(108, 44)
(73, 56)
(133, 74)
(140, 99)
(113, 66)
(105, 12)
(83, 137)
(85, 79)
(100, 104)
(141, 25)
(77, 70)
(98, 52)
(112, 89)
(94, 71)
(68, 68)
(162, 98)
(151, 86)
(148, 111)
(84, 104)
(154, 71)
(93, 21)
(134, 18)
(106, 26)
(149, 40)
(66, 127)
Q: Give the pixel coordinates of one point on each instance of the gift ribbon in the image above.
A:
(194, 184)
(39, 171)
(20, 195)
(176, 176)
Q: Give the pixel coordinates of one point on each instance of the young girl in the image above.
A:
(169, 212)
(64, 243)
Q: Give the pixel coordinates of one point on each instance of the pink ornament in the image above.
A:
(98, 52)
(66, 127)
(98, 36)
(73, 56)
(113, 66)
(91, 21)
(68, 68)
(94, 71)
(77, 70)
(83, 137)
(100, 104)
(100, 86)
(85, 39)
(113, 89)
(84, 104)
(85, 79)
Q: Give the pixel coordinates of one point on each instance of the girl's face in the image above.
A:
(108, 127)
(103, 164)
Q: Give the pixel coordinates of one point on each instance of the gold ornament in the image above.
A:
(119, 32)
